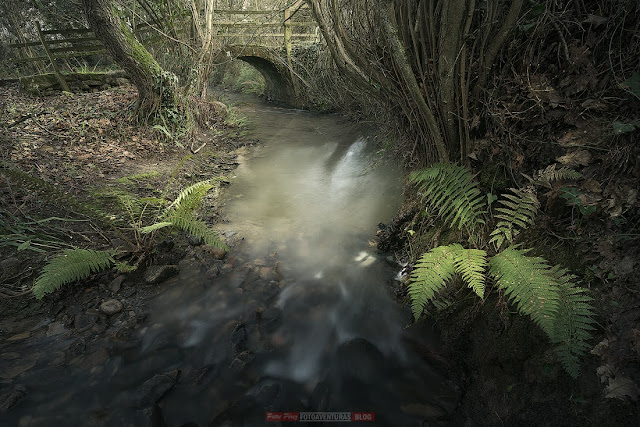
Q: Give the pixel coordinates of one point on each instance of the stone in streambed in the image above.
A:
(116, 284)
(84, 321)
(12, 398)
(159, 273)
(154, 389)
(111, 307)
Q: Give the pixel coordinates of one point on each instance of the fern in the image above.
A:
(191, 197)
(471, 264)
(546, 176)
(517, 212)
(71, 265)
(573, 323)
(450, 190)
(430, 275)
(527, 283)
(197, 228)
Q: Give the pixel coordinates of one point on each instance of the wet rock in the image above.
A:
(12, 398)
(19, 337)
(111, 307)
(154, 389)
(154, 417)
(217, 253)
(241, 361)
(84, 321)
(77, 348)
(116, 283)
(56, 328)
(239, 338)
(159, 273)
(10, 356)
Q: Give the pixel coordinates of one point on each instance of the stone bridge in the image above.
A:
(265, 40)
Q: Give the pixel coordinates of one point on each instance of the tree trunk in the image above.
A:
(156, 89)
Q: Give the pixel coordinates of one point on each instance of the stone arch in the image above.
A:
(278, 83)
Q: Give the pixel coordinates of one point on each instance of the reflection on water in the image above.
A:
(299, 318)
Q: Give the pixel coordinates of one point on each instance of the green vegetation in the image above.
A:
(544, 293)
(141, 221)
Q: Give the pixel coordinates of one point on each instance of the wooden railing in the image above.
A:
(266, 27)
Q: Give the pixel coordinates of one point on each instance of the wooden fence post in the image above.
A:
(63, 83)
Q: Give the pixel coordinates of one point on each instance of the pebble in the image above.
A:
(111, 307)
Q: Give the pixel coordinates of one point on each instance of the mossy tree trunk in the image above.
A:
(156, 88)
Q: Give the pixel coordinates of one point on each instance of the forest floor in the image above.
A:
(61, 157)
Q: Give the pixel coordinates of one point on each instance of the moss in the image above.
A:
(493, 176)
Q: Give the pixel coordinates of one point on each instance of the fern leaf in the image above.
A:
(546, 176)
(517, 212)
(71, 265)
(451, 191)
(191, 197)
(471, 264)
(574, 322)
(430, 275)
(527, 283)
(153, 227)
(198, 229)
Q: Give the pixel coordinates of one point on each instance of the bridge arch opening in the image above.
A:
(270, 64)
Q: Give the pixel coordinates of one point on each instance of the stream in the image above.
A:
(298, 317)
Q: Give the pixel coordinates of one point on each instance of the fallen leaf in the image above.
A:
(621, 387)
(575, 158)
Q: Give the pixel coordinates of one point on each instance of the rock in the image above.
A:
(241, 361)
(116, 283)
(111, 307)
(56, 328)
(195, 241)
(12, 398)
(159, 273)
(239, 339)
(10, 356)
(217, 253)
(154, 389)
(83, 321)
(19, 337)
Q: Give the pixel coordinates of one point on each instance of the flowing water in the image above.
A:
(298, 318)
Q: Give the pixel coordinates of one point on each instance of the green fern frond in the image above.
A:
(527, 283)
(71, 265)
(471, 264)
(451, 191)
(191, 197)
(546, 176)
(431, 274)
(198, 229)
(153, 227)
(517, 212)
(574, 322)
